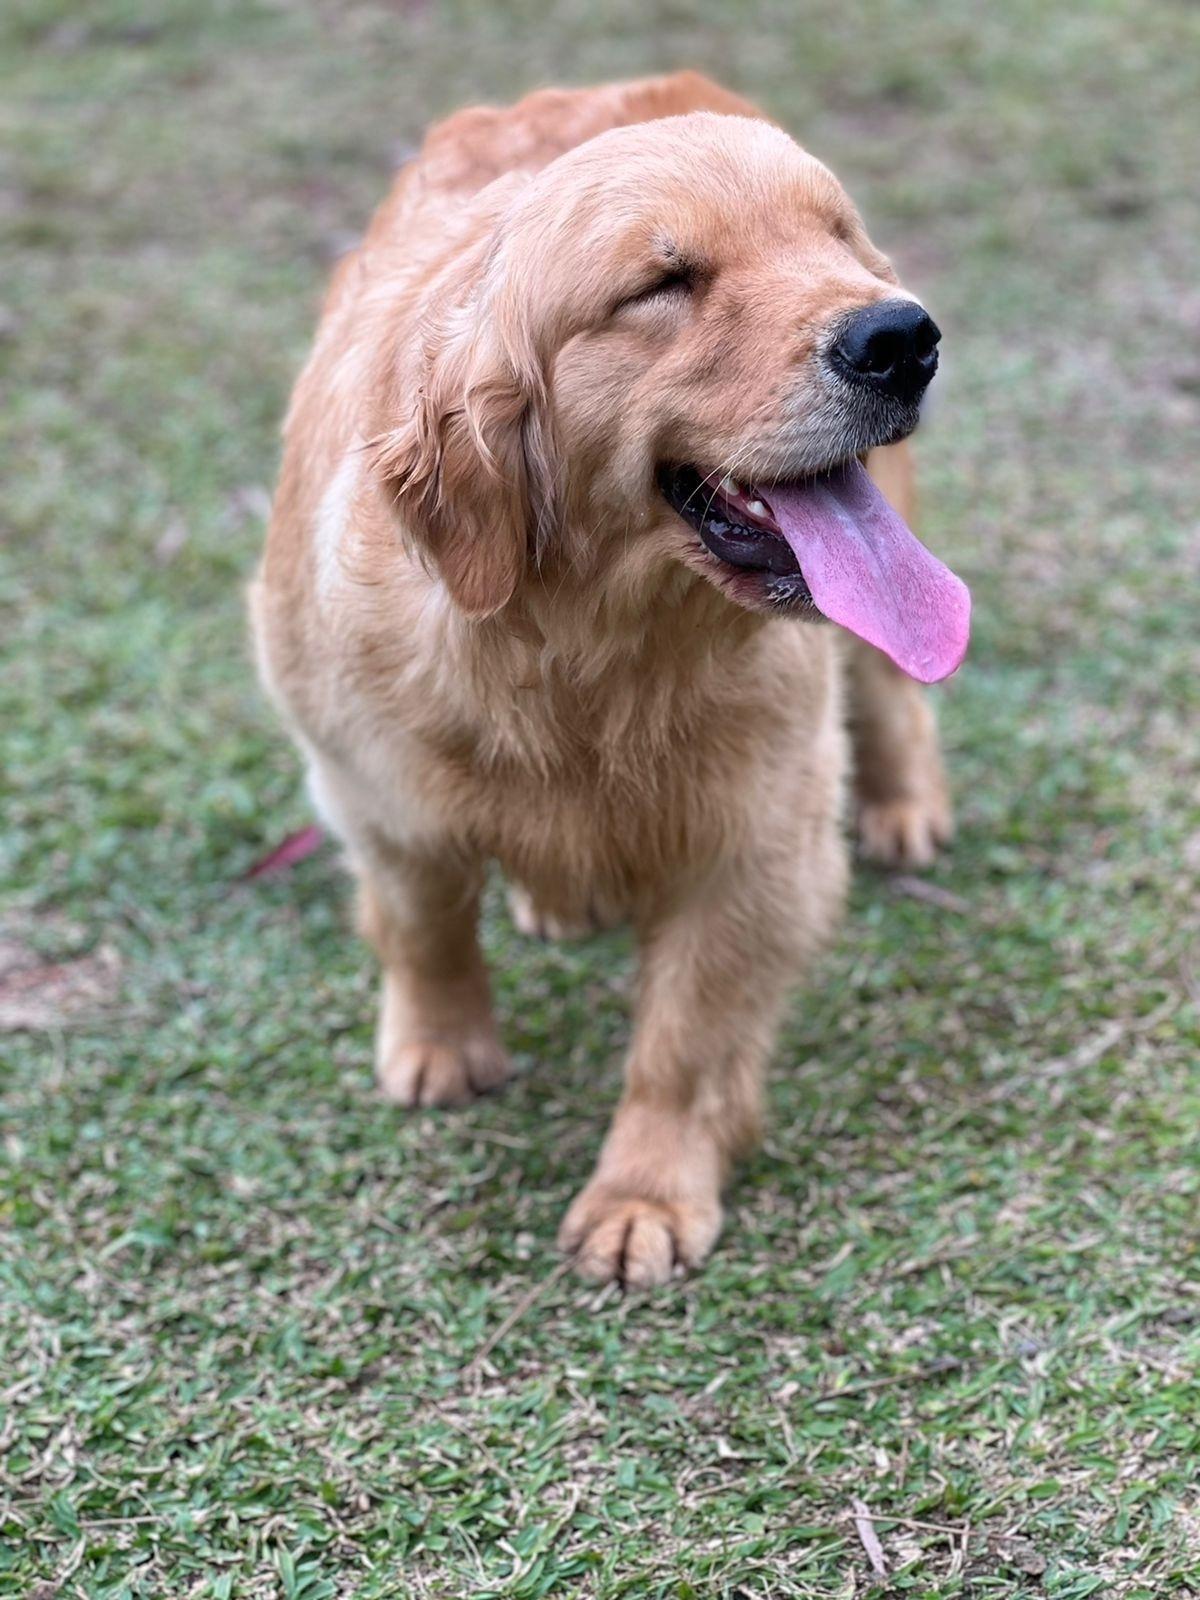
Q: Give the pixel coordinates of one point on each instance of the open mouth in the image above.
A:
(735, 524)
(830, 543)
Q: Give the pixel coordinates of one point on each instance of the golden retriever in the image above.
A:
(571, 478)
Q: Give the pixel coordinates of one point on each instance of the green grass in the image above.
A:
(257, 1330)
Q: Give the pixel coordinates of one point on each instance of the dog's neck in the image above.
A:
(681, 629)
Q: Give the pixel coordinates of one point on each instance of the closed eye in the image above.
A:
(676, 280)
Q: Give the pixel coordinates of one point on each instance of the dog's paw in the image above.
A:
(905, 833)
(634, 1242)
(534, 923)
(442, 1072)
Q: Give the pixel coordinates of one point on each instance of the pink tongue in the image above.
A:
(868, 571)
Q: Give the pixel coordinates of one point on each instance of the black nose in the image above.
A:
(891, 346)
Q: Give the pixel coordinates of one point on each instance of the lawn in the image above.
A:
(262, 1335)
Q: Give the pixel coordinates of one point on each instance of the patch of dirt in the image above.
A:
(37, 994)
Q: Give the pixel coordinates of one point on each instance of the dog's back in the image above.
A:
(473, 147)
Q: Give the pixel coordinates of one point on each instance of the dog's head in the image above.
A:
(668, 349)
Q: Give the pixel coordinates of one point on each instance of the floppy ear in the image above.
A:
(469, 468)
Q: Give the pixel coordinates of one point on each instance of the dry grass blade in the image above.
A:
(868, 1538)
(523, 1305)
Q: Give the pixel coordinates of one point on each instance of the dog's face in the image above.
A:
(677, 344)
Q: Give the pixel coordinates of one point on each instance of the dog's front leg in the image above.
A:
(437, 1043)
(715, 976)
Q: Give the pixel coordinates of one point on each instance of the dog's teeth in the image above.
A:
(756, 508)
(730, 487)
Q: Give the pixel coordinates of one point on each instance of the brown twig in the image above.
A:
(935, 1369)
(931, 893)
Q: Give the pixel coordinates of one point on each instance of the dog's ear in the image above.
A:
(469, 467)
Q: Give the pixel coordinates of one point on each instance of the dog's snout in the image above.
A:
(891, 346)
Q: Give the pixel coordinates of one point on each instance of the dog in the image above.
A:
(571, 491)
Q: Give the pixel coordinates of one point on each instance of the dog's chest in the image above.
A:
(596, 824)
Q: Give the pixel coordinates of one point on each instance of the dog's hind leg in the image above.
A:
(437, 1043)
(902, 801)
(533, 922)
(901, 798)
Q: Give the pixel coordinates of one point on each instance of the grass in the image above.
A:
(261, 1335)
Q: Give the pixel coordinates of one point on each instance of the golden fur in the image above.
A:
(494, 641)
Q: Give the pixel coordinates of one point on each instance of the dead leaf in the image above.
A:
(1025, 1557)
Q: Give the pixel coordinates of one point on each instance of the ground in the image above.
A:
(261, 1334)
